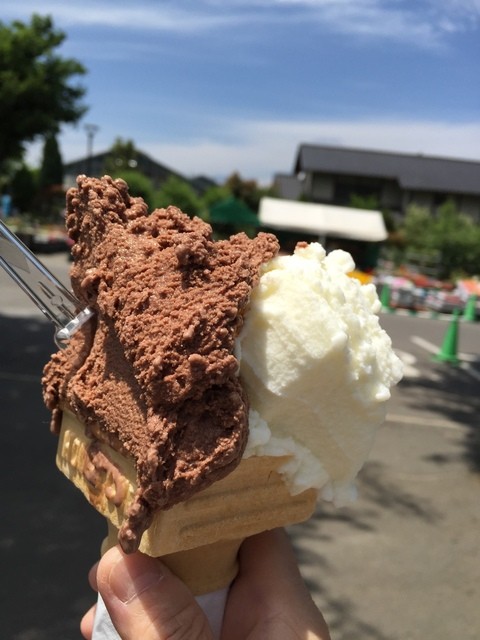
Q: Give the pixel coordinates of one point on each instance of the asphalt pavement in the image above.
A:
(401, 563)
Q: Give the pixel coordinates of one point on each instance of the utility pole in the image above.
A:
(91, 130)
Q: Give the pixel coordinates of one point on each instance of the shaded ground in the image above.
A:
(49, 536)
(402, 562)
(441, 392)
(399, 564)
(456, 396)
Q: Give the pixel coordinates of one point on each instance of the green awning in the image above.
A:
(235, 212)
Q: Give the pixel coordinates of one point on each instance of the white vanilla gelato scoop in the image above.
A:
(317, 368)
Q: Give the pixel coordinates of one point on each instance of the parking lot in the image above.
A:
(401, 563)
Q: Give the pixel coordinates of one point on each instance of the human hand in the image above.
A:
(268, 599)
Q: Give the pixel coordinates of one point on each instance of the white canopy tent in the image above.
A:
(322, 219)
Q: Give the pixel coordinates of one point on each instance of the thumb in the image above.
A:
(145, 600)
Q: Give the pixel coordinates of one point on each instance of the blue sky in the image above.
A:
(211, 87)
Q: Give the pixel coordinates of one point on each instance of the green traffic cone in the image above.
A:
(470, 311)
(385, 298)
(448, 350)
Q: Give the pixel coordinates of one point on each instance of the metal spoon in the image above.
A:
(47, 292)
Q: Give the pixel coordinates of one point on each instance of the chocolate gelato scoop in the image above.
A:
(154, 373)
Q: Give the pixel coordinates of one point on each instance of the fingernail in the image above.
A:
(130, 576)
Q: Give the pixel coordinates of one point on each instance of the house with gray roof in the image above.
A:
(158, 173)
(332, 175)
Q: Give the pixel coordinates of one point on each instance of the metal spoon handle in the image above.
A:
(42, 287)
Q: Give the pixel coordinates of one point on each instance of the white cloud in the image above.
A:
(266, 148)
(139, 16)
(263, 148)
(258, 149)
(459, 8)
(420, 22)
(424, 23)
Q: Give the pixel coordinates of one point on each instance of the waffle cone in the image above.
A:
(199, 538)
(204, 569)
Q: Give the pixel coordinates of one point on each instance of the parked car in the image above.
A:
(49, 239)
(444, 301)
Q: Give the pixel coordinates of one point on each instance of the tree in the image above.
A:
(51, 194)
(246, 190)
(122, 156)
(121, 162)
(450, 235)
(457, 238)
(214, 195)
(36, 94)
(369, 202)
(417, 228)
(139, 185)
(179, 193)
(51, 170)
(24, 189)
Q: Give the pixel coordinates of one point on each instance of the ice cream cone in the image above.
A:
(199, 538)
(204, 569)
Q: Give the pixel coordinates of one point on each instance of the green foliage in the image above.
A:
(179, 193)
(243, 191)
(450, 234)
(417, 229)
(369, 202)
(51, 169)
(24, 185)
(246, 190)
(139, 185)
(36, 94)
(122, 157)
(214, 195)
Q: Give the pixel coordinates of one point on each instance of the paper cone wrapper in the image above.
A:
(199, 538)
